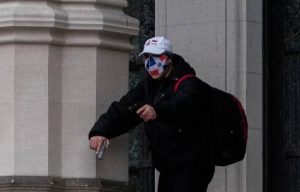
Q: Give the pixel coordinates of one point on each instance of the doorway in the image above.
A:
(141, 171)
(281, 95)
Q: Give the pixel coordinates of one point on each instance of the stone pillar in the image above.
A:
(62, 63)
(222, 40)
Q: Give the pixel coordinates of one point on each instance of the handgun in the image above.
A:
(102, 149)
(135, 107)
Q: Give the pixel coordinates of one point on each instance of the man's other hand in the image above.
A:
(147, 113)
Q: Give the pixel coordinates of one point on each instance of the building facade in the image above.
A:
(64, 61)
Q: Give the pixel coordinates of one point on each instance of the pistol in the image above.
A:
(135, 107)
(102, 150)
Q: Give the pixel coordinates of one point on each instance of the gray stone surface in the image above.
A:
(223, 42)
(254, 161)
(255, 48)
(58, 57)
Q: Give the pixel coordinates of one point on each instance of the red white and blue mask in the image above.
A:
(155, 64)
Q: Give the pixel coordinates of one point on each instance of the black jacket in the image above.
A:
(181, 133)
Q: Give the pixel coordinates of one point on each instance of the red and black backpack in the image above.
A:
(229, 123)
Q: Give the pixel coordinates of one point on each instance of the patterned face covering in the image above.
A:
(155, 65)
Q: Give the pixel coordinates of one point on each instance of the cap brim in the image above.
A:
(152, 51)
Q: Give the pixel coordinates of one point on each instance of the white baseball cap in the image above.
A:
(157, 45)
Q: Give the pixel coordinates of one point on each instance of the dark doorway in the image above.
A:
(281, 95)
(141, 171)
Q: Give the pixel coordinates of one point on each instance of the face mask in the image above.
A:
(155, 65)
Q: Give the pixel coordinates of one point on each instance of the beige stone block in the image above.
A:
(161, 31)
(236, 84)
(55, 139)
(7, 139)
(254, 48)
(160, 14)
(6, 84)
(110, 66)
(255, 161)
(6, 73)
(236, 44)
(255, 11)
(31, 73)
(31, 138)
(112, 76)
(79, 75)
(182, 12)
(254, 100)
(203, 47)
(55, 74)
(236, 10)
(77, 120)
(243, 10)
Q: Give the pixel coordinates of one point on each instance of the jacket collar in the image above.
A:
(181, 67)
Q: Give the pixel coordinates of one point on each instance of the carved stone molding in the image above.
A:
(67, 22)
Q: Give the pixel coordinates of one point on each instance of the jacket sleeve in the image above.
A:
(190, 101)
(118, 119)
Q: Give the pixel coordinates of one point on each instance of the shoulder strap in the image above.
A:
(179, 81)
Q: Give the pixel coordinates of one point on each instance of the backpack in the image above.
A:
(229, 124)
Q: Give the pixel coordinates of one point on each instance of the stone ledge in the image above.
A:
(55, 184)
(64, 38)
(114, 3)
(79, 15)
(74, 23)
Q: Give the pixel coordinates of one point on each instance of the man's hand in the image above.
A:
(147, 113)
(96, 143)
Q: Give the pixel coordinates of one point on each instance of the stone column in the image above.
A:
(62, 63)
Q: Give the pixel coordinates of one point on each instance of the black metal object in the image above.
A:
(282, 95)
(143, 10)
(141, 171)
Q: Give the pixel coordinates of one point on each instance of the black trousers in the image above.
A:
(189, 178)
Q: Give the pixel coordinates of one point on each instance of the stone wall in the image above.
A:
(222, 40)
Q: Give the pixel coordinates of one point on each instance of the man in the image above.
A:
(176, 122)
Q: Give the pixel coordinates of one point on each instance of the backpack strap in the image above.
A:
(179, 81)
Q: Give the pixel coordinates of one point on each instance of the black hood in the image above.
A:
(181, 67)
